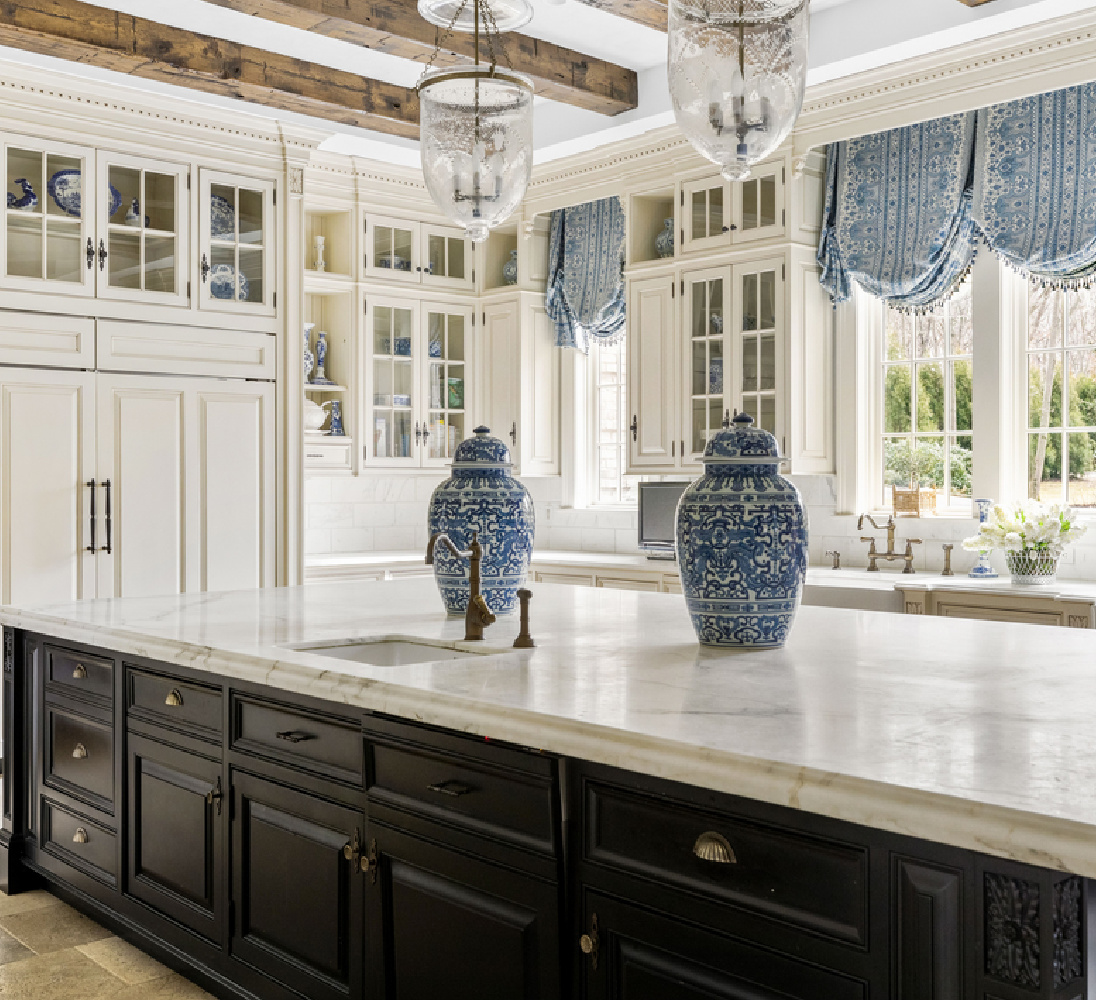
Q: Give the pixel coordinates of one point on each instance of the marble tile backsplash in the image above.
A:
(384, 513)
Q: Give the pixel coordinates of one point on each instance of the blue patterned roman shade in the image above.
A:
(585, 296)
(1035, 183)
(897, 217)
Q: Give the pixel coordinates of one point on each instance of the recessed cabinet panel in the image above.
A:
(49, 229)
(929, 922)
(652, 374)
(80, 757)
(298, 893)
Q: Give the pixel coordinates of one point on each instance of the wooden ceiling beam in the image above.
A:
(82, 32)
(649, 13)
(395, 27)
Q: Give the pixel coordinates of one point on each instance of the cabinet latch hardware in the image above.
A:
(90, 254)
(514, 433)
(295, 736)
(102, 255)
(352, 851)
(369, 862)
(79, 672)
(174, 699)
(635, 427)
(453, 788)
(91, 539)
(215, 795)
(80, 836)
(589, 943)
(80, 751)
(714, 847)
(205, 268)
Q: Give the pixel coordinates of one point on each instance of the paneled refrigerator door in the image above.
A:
(143, 221)
(48, 242)
(48, 547)
(236, 254)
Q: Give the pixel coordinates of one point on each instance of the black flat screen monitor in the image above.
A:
(658, 515)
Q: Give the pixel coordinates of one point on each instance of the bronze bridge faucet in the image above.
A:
(478, 616)
(890, 555)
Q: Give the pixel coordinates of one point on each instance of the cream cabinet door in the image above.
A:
(652, 387)
(706, 309)
(142, 455)
(47, 453)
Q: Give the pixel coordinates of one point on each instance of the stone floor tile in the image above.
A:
(12, 950)
(25, 901)
(169, 987)
(123, 960)
(52, 928)
(60, 975)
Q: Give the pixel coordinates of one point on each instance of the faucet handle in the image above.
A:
(867, 538)
(836, 553)
(914, 541)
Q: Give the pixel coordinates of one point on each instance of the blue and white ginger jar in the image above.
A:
(742, 542)
(482, 495)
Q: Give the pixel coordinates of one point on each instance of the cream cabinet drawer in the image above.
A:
(49, 341)
(998, 614)
(184, 350)
(671, 585)
(324, 453)
(623, 583)
(575, 579)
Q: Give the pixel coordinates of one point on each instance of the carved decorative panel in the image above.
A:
(1077, 621)
(296, 180)
(915, 608)
(1068, 942)
(1012, 930)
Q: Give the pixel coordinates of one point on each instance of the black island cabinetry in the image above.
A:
(276, 847)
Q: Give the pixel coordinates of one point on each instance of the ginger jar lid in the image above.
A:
(481, 451)
(742, 443)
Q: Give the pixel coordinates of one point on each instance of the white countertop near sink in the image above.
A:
(975, 734)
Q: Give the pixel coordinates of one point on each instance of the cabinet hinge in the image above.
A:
(783, 217)
(274, 300)
(274, 196)
(188, 182)
(484, 318)
(783, 272)
(783, 175)
(365, 452)
(188, 289)
(673, 290)
(473, 276)
(683, 236)
(682, 286)
(682, 199)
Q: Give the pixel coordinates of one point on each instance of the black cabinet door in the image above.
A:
(176, 835)
(298, 897)
(442, 924)
(630, 953)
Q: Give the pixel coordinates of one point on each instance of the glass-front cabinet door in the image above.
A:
(448, 333)
(758, 342)
(706, 214)
(48, 222)
(448, 257)
(391, 382)
(391, 249)
(142, 222)
(706, 306)
(759, 203)
(236, 259)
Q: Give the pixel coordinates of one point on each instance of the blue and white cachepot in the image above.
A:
(482, 495)
(742, 542)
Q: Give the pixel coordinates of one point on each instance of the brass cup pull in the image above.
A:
(369, 863)
(715, 848)
(80, 836)
(586, 943)
(454, 789)
(79, 672)
(79, 751)
(295, 736)
(174, 699)
(352, 850)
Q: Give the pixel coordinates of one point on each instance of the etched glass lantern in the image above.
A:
(476, 134)
(737, 71)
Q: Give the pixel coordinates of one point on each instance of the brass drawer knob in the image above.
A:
(714, 847)
(173, 699)
(590, 944)
(80, 836)
(79, 751)
(79, 672)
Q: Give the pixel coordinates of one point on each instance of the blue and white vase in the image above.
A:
(335, 429)
(510, 269)
(664, 241)
(482, 495)
(742, 542)
(983, 568)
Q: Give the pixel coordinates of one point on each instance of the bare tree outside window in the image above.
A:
(928, 400)
(1061, 379)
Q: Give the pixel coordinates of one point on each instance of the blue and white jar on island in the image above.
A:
(742, 542)
(482, 495)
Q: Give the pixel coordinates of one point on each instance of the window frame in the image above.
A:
(592, 442)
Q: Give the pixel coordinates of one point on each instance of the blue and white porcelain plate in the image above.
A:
(222, 218)
(225, 283)
(65, 188)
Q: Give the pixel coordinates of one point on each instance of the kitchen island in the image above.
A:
(889, 806)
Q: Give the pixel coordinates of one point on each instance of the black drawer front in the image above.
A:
(79, 841)
(814, 883)
(80, 755)
(177, 703)
(80, 674)
(328, 746)
(506, 805)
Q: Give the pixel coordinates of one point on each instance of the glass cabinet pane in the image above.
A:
(707, 212)
(759, 202)
(44, 207)
(141, 236)
(392, 247)
(393, 382)
(706, 360)
(238, 239)
(758, 347)
(445, 425)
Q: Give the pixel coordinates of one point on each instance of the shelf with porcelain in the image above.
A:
(324, 387)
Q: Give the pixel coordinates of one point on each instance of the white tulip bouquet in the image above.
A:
(1033, 536)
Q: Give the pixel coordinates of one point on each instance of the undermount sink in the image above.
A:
(390, 651)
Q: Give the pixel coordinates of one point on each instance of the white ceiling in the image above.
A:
(847, 36)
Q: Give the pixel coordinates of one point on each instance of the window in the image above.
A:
(608, 364)
(1061, 389)
(927, 381)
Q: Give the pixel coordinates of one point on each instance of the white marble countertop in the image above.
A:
(975, 734)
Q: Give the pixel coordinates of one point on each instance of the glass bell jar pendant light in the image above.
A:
(737, 71)
(476, 123)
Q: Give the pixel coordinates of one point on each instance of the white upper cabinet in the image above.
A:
(705, 214)
(49, 229)
(143, 221)
(715, 214)
(759, 204)
(448, 333)
(759, 338)
(417, 253)
(237, 256)
(706, 307)
(652, 389)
